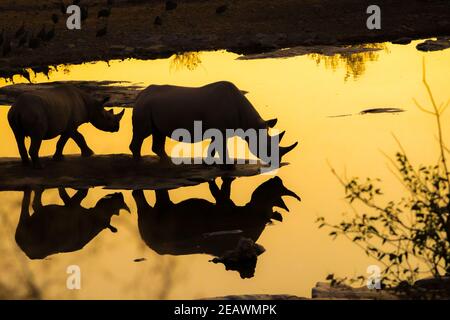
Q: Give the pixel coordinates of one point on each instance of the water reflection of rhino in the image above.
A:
(63, 228)
(221, 229)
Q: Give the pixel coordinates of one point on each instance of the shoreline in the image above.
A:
(246, 27)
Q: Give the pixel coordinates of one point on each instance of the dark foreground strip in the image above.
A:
(223, 309)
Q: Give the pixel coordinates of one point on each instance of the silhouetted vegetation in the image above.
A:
(410, 237)
(354, 64)
(188, 60)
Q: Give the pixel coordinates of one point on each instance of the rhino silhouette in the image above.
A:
(221, 229)
(54, 228)
(161, 109)
(47, 113)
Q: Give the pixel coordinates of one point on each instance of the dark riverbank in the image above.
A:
(244, 27)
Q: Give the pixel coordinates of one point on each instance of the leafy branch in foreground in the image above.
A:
(410, 237)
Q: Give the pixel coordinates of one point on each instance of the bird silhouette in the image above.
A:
(50, 34)
(84, 12)
(102, 32)
(104, 13)
(22, 40)
(42, 33)
(62, 8)
(6, 49)
(171, 5)
(221, 9)
(158, 21)
(55, 18)
(20, 31)
(34, 42)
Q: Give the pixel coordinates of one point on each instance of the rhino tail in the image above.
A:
(14, 119)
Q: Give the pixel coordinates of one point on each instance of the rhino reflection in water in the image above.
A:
(63, 228)
(48, 113)
(221, 229)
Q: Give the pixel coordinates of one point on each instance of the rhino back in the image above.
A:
(52, 111)
(218, 105)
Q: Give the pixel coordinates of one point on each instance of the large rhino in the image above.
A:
(200, 226)
(48, 113)
(161, 109)
(55, 229)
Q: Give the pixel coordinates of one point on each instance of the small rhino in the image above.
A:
(161, 109)
(47, 113)
(52, 228)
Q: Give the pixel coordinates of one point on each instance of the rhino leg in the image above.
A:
(75, 200)
(34, 151)
(211, 149)
(81, 142)
(162, 198)
(214, 189)
(64, 195)
(136, 145)
(79, 196)
(141, 202)
(158, 146)
(20, 139)
(58, 156)
(223, 154)
(37, 201)
(222, 195)
(226, 186)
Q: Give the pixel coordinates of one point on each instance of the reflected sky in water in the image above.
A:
(302, 93)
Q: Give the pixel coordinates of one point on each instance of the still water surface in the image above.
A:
(304, 93)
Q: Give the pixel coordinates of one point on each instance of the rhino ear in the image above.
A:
(271, 123)
(105, 99)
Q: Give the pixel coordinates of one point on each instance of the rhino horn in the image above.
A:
(280, 136)
(287, 192)
(280, 204)
(277, 216)
(284, 150)
(271, 123)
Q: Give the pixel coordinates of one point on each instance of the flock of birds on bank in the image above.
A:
(172, 5)
(23, 38)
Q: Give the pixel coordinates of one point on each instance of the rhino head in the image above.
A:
(267, 147)
(112, 203)
(269, 194)
(109, 206)
(103, 119)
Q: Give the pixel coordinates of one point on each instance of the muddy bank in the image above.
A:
(427, 288)
(145, 29)
(118, 171)
(120, 93)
